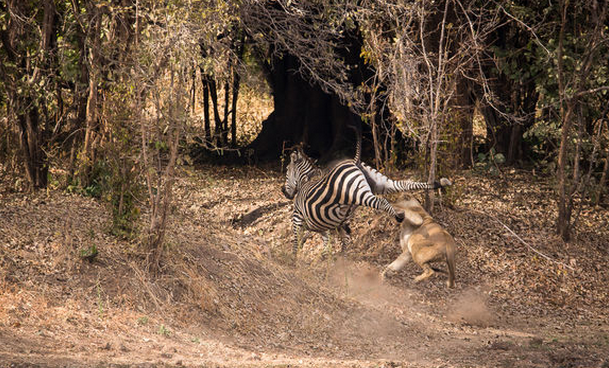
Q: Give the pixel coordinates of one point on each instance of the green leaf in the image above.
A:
(500, 158)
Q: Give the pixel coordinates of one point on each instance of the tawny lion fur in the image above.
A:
(423, 240)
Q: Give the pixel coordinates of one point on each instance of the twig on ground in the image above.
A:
(266, 175)
(524, 242)
(142, 278)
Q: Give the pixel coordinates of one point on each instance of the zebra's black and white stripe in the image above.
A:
(326, 203)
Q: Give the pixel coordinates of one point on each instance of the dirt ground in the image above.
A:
(227, 293)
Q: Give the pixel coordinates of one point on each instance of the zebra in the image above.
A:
(323, 203)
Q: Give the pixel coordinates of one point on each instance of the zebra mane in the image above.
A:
(312, 168)
(304, 161)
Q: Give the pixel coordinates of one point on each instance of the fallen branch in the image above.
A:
(524, 242)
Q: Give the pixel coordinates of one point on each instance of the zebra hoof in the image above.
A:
(399, 217)
(445, 182)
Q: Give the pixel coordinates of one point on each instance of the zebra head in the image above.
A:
(298, 171)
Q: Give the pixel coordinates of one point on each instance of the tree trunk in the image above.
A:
(464, 117)
(512, 110)
(514, 152)
(304, 114)
(214, 102)
(233, 125)
(207, 123)
(79, 91)
(563, 226)
(566, 111)
(433, 164)
(193, 90)
(240, 48)
(376, 139)
(603, 180)
(91, 116)
(26, 107)
(31, 142)
(226, 112)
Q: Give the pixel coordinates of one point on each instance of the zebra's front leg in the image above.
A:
(327, 251)
(298, 236)
(345, 237)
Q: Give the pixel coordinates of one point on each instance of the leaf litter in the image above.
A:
(229, 293)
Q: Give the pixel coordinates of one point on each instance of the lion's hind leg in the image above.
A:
(427, 273)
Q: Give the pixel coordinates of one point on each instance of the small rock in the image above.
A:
(500, 345)
(536, 342)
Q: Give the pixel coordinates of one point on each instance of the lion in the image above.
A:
(423, 240)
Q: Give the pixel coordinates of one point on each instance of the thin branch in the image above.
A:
(590, 91)
(522, 241)
(528, 28)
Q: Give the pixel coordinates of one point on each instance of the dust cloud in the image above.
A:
(360, 281)
(378, 316)
(470, 307)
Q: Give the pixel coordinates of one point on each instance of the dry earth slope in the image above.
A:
(227, 294)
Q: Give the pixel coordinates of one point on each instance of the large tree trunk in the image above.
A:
(304, 114)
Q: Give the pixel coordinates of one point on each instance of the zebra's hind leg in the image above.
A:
(381, 184)
(379, 203)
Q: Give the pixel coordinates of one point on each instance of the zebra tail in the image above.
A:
(358, 147)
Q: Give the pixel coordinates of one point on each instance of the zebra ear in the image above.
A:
(295, 156)
(300, 155)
